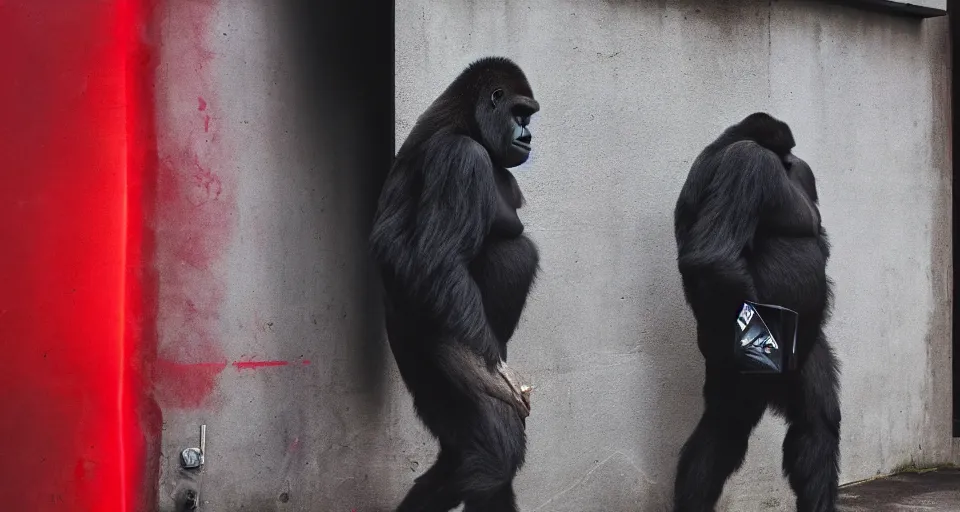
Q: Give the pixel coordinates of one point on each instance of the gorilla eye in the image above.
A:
(495, 97)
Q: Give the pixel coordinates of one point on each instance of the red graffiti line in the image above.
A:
(240, 365)
(253, 365)
(201, 104)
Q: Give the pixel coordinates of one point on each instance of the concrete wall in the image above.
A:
(930, 4)
(271, 179)
(909, 7)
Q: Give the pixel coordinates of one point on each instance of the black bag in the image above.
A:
(766, 340)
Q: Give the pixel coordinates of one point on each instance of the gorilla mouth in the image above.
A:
(523, 142)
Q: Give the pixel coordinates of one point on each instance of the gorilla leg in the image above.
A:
(490, 449)
(811, 449)
(503, 500)
(490, 465)
(432, 491)
(719, 443)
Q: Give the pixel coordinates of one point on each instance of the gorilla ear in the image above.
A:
(495, 97)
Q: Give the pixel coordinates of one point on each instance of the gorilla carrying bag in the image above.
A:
(766, 339)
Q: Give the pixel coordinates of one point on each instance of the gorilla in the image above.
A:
(456, 270)
(747, 227)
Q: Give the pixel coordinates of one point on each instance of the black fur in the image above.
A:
(457, 270)
(748, 228)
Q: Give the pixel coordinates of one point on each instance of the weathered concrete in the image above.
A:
(630, 92)
(938, 490)
(276, 130)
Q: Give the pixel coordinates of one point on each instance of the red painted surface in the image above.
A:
(141, 420)
(76, 422)
(197, 381)
(185, 385)
(195, 212)
(188, 385)
(253, 365)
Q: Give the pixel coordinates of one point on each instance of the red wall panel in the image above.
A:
(74, 159)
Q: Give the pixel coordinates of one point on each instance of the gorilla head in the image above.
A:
(502, 104)
(491, 102)
(503, 119)
(767, 131)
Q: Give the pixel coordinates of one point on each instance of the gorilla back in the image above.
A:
(748, 229)
(457, 270)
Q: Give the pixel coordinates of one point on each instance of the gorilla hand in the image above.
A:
(521, 391)
(469, 372)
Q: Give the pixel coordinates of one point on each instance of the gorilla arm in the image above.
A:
(745, 179)
(453, 215)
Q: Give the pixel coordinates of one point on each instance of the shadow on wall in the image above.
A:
(341, 113)
(343, 75)
(308, 92)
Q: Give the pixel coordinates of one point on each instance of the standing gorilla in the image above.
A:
(748, 229)
(457, 269)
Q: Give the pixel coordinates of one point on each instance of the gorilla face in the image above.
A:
(794, 163)
(797, 169)
(799, 172)
(504, 119)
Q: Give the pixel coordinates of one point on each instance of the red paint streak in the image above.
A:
(174, 371)
(207, 181)
(195, 214)
(141, 420)
(188, 385)
(185, 385)
(73, 418)
(253, 365)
